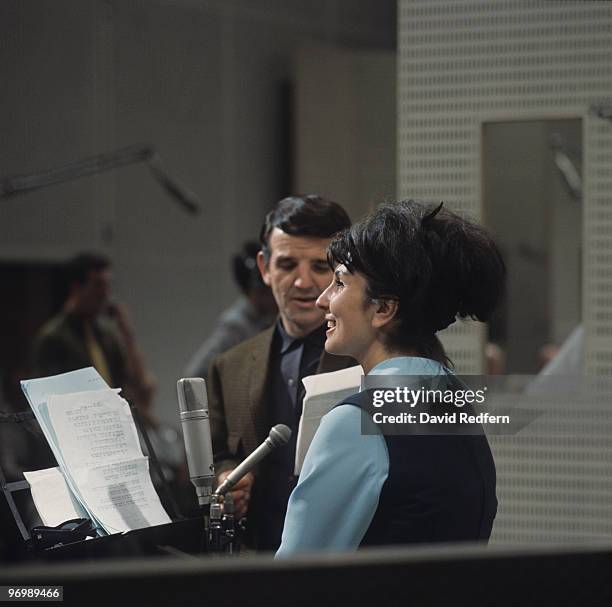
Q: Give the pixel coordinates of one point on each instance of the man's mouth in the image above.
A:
(304, 302)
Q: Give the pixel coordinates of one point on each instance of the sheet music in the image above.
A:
(92, 434)
(93, 427)
(52, 497)
(102, 455)
(323, 391)
(122, 495)
(38, 390)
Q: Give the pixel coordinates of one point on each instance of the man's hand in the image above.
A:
(241, 492)
(121, 315)
(140, 384)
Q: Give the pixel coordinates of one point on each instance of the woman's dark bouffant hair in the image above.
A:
(437, 264)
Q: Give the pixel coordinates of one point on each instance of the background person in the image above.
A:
(401, 275)
(251, 313)
(91, 331)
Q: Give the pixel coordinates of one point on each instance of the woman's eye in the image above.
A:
(338, 283)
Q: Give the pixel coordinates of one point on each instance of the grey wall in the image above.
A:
(345, 124)
(201, 81)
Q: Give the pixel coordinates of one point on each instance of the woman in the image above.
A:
(401, 275)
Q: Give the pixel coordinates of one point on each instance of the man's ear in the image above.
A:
(384, 311)
(263, 268)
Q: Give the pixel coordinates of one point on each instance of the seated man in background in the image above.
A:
(259, 383)
(251, 313)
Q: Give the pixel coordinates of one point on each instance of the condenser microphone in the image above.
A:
(193, 408)
(279, 436)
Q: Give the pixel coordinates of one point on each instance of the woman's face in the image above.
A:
(349, 314)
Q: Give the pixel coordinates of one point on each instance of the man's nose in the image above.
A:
(304, 279)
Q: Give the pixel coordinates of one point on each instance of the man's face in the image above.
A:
(93, 294)
(298, 273)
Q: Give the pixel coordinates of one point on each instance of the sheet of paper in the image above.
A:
(121, 495)
(38, 391)
(323, 391)
(103, 457)
(93, 427)
(93, 437)
(52, 497)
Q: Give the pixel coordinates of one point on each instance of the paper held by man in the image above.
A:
(102, 473)
(323, 392)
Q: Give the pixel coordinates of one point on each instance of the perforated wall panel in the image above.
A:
(462, 63)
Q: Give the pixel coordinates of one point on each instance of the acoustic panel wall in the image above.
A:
(463, 63)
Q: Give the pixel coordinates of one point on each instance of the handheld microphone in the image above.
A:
(193, 407)
(279, 435)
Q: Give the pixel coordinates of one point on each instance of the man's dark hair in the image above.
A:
(78, 268)
(438, 265)
(309, 215)
(244, 265)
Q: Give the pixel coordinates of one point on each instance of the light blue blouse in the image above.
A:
(343, 473)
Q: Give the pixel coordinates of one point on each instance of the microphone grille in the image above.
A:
(280, 435)
(192, 394)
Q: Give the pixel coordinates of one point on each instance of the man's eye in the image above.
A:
(321, 268)
(285, 264)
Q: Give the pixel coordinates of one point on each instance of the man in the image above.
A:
(254, 311)
(90, 331)
(258, 383)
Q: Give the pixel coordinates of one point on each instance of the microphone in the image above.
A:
(193, 407)
(279, 436)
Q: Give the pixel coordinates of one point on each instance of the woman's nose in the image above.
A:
(323, 299)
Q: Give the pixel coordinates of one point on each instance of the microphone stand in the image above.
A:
(221, 532)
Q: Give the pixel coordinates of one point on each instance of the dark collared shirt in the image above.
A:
(292, 359)
(296, 358)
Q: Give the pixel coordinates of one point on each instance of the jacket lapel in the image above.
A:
(258, 381)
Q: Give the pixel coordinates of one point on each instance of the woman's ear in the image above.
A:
(385, 310)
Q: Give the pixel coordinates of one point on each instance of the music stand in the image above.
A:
(180, 537)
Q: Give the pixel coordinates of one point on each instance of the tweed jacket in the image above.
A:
(238, 386)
